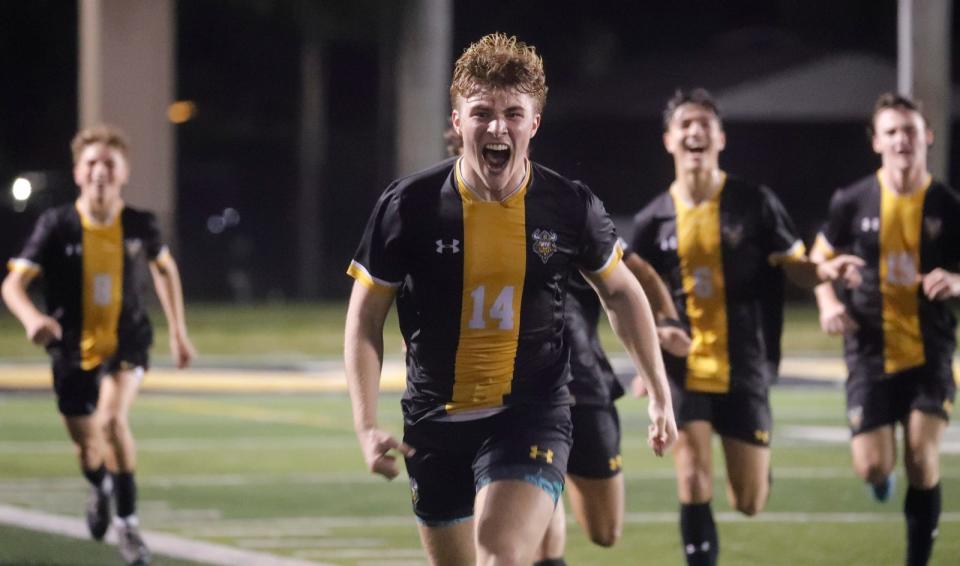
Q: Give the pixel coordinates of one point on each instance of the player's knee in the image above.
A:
(115, 425)
(749, 506)
(496, 547)
(605, 536)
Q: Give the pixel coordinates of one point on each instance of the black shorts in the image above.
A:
(455, 459)
(740, 413)
(874, 402)
(78, 389)
(596, 442)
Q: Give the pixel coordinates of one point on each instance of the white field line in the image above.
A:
(160, 543)
(189, 444)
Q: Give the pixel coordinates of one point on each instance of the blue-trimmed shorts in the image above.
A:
(455, 459)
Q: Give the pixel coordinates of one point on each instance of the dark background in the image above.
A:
(610, 67)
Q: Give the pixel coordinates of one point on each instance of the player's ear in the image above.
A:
(455, 121)
(721, 140)
(929, 136)
(536, 125)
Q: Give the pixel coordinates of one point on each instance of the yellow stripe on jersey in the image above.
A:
(21, 265)
(822, 248)
(361, 274)
(901, 217)
(102, 289)
(796, 254)
(701, 264)
(494, 268)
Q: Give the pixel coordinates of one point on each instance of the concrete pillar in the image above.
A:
(424, 68)
(923, 69)
(126, 78)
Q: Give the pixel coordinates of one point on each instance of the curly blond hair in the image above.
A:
(111, 136)
(500, 62)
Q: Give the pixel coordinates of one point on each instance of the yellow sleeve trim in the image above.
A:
(797, 253)
(615, 256)
(21, 265)
(823, 247)
(361, 274)
(163, 258)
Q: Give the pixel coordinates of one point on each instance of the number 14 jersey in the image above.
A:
(481, 285)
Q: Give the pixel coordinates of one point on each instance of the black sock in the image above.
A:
(922, 510)
(95, 477)
(551, 562)
(699, 534)
(126, 489)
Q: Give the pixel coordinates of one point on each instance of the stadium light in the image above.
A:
(21, 189)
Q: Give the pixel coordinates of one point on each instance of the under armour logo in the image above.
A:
(454, 247)
(546, 455)
(870, 224)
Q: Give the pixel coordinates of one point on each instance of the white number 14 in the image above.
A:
(501, 310)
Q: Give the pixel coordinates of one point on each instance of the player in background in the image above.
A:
(719, 242)
(899, 335)
(95, 327)
(478, 251)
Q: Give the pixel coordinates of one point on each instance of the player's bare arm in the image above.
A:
(632, 320)
(363, 358)
(166, 281)
(40, 328)
(673, 338)
(808, 273)
(834, 319)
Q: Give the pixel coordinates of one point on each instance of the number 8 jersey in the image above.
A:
(481, 285)
(900, 237)
(720, 260)
(90, 281)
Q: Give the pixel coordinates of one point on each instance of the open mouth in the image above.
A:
(496, 155)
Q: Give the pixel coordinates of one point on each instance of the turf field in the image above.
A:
(271, 474)
(281, 474)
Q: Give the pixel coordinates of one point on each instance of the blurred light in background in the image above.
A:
(21, 189)
(181, 111)
(217, 223)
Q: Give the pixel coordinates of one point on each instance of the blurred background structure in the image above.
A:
(263, 131)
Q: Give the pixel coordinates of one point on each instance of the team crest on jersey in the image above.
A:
(134, 245)
(733, 234)
(933, 227)
(544, 243)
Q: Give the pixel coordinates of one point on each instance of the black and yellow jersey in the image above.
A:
(900, 237)
(593, 380)
(90, 283)
(481, 285)
(720, 260)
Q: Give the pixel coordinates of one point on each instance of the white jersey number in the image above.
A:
(501, 310)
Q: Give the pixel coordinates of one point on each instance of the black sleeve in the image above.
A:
(598, 248)
(152, 242)
(779, 232)
(36, 252)
(643, 242)
(381, 252)
(836, 230)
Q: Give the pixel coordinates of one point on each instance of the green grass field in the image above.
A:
(296, 332)
(282, 474)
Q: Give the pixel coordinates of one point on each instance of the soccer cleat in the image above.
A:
(131, 546)
(882, 492)
(98, 512)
